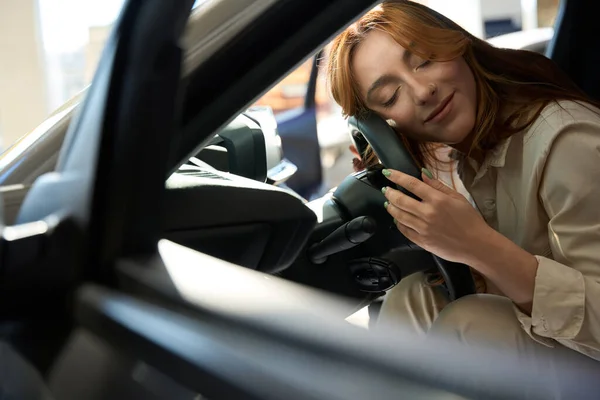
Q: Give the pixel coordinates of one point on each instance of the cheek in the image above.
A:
(403, 114)
(461, 78)
(464, 76)
(458, 74)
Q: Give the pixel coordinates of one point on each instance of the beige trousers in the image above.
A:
(480, 318)
(490, 321)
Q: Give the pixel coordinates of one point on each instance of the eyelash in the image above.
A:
(392, 100)
(424, 64)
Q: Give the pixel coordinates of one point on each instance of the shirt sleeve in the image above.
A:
(566, 301)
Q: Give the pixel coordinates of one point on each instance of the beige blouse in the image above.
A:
(541, 189)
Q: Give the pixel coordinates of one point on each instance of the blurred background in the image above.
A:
(49, 51)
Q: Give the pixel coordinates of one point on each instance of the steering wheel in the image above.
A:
(373, 130)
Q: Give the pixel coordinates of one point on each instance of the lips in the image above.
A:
(440, 108)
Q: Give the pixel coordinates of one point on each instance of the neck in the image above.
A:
(465, 148)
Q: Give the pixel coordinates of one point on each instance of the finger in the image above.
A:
(354, 151)
(435, 183)
(402, 201)
(412, 184)
(404, 218)
(408, 233)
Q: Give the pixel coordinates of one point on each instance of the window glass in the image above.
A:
(54, 48)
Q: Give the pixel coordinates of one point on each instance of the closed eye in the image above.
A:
(392, 99)
(424, 64)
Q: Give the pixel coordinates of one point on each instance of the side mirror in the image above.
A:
(250, 146)
(239, 148)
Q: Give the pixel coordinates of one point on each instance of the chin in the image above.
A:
(454, 138)
(458, 133)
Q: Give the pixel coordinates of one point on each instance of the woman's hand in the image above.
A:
(443, 223)
(446, 224)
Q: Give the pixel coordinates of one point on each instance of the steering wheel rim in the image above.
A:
(393, 154)
(380, 135)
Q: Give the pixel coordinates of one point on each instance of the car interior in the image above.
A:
(222, 282)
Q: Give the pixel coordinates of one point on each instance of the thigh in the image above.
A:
(490, 320)
(412, 304)
(483, 317)
(485, 326)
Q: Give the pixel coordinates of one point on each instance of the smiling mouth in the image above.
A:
(440, 108)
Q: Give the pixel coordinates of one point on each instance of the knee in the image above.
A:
(399, 302)
(411, 303)
(480, 316)
(481, 305)
(407, 289)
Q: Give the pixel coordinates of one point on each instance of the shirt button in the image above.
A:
(490, 204)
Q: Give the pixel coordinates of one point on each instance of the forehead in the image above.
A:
(375, 56)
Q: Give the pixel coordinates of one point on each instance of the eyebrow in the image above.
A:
(387, 79)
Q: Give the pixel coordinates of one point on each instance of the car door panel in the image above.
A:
(270, 339)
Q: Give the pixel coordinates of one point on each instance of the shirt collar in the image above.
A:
(497, 156)
(494, 158)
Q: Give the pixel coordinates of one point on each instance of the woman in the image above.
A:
(527, 145)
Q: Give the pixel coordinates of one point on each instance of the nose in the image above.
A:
(423, 92)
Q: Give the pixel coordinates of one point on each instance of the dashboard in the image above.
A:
(226, 201)
(249, 223)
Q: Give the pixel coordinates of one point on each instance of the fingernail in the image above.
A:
(427, 173)
(395, 222)
(386, 204)
(386, 172)
(384, 189)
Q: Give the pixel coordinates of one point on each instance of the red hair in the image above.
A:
(513, 86)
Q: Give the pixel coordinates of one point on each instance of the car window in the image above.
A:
(290, 94)
(55, 46)
(547, 12)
